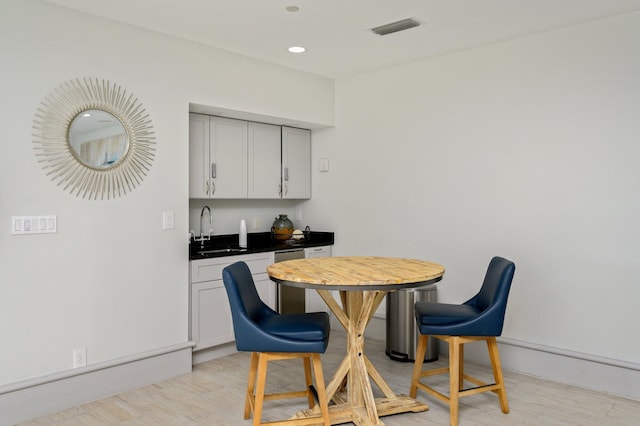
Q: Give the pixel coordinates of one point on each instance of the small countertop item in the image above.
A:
(363, 282)
(242, 236)
(282, 227)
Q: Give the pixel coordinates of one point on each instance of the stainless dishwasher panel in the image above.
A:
(290, 299)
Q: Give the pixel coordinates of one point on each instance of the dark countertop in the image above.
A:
(258, 242)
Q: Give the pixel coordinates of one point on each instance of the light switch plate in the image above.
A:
(323, 164)
(168, 220)
(44, 224)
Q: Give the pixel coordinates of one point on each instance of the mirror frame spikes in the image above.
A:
(51, 127)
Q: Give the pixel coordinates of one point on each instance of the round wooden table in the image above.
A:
(363, 281)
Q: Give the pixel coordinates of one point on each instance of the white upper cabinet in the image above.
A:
(229, 157)
(217, 157)
(199, 174)
(264, 161)
(238, 159)
(296, 163)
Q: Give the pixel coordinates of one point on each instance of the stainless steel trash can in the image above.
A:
(402, 330)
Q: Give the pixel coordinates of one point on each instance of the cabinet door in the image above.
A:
(228, 140)
(210, 319)
(296, 163)
(264, 161)
(199, 174)
(313, 301)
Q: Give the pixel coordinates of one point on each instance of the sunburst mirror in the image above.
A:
(93, 138)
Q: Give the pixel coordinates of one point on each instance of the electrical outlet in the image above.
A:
(80, 357)
(256, 224)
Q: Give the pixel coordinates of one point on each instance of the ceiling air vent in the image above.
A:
(394, 27)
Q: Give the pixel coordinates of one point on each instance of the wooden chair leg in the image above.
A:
(492, 345)
(251, 386)
(421, 350)
(461, 364)
(454, 379)
(256, 387)
(457, 374)
(263, 359)
(322, 393)
(308, 380)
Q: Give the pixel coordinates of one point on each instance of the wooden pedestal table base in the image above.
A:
(361, 294)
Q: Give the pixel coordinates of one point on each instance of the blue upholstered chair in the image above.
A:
(478, 319)
(271, 336)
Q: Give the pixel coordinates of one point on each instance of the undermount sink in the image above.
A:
(222, 250)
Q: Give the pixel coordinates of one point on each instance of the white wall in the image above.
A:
(526, 149)
(111, 279)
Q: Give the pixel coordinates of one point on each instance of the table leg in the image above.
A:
(358, 404)
(359, 391)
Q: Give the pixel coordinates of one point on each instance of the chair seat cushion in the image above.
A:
(310, 327)
(429, 313)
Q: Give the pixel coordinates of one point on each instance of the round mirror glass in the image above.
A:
(98, 139)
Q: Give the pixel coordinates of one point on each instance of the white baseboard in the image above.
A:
(574, 368)
(216, 352)
(48, 394)
(587, 371)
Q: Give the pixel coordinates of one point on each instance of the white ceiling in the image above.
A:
(336, 32)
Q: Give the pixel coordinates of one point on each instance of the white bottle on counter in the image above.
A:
(242, 236)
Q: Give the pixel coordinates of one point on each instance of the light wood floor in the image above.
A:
(213, 394)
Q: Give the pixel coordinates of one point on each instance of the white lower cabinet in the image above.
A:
(313, 301)
(211, 318)
(210, 322)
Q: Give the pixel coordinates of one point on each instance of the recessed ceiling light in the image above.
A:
(296, 49)
(292, 8)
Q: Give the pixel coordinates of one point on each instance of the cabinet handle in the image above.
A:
(213, 187)
(286, 189)
(279, 190)
(286, 173)
(213, 170)
(206, 187)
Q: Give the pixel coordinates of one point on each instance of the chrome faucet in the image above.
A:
(202, 237)
(201, 217)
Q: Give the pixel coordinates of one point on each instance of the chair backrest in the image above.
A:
(247, 309)
(491, 300)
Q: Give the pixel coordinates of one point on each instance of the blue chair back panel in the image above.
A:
(258, 328)
(482, 315)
